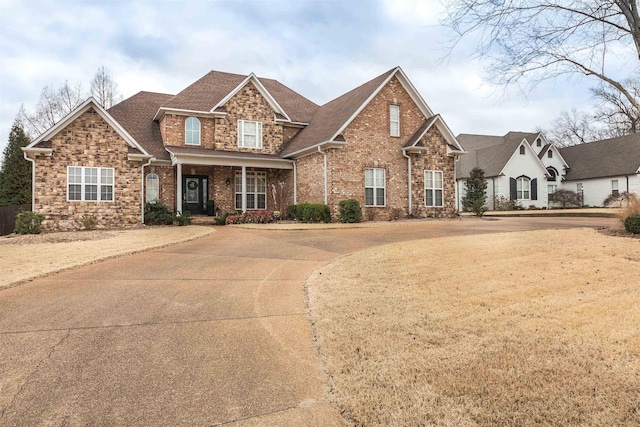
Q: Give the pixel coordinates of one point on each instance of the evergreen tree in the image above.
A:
(15, 174)
(476, 192)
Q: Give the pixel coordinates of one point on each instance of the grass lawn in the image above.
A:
(523, 328)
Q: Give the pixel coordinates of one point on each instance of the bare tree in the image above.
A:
(104, 89)
(619, 115)
(53, 105)
(574, 127)
(535, 40)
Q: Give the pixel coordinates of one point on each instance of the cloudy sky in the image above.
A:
(321, 49)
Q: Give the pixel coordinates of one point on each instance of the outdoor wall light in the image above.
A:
(228, 182)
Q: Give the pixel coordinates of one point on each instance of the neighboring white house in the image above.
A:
(525, 167)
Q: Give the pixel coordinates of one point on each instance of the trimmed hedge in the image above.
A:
(350, 211)
(309, 212)
(632, 224)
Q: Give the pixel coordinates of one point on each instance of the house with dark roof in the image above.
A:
(523, 167)
(247, 143)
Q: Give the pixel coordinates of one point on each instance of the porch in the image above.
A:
(234, 181)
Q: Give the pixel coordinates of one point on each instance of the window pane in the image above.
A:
(249, 128)
(75, 175)
(238, 183)
(106, 176)
(251, 201)
(438, 179)
(262, 201)
(238, 201)
(394, 112)
(428, 179)
(395, 129)
(368, 177)
(614, 184)
(75, 192)
(249, 141)
(91, 175)
(91, 192)
(368, 196)
(429, 197)
(379, 178)
(438, 198)
(106, 193)
(379, 196)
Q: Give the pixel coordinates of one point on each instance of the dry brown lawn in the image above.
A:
(532, 328)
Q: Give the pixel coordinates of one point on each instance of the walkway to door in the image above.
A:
(208, 332)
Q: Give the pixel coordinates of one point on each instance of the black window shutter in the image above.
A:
(534, 189)
(513, 187)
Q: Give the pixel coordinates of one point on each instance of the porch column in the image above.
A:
(244, 188)
(179, 188)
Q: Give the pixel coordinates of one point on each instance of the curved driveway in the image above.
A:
(208, 332)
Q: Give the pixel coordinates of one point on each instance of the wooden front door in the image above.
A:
(195, 193)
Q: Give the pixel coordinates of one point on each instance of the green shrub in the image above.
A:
(350, 211)
(292, 212)
(157, 214)
(222, 219)
(316, 212)
(28, 222)
(632, 224)
(184, 219)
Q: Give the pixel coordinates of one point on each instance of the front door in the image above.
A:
(195, 194)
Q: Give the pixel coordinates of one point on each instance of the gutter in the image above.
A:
(295, 184)
(404, 154)
(326, 198)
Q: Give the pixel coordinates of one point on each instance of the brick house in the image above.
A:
(247, 143)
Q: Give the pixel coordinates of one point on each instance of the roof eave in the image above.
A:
(184, 112)
(314, 148)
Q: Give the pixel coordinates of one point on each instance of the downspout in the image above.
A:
(142, 190)
(33, 180)
(326, 185)
(295, 183)
(404, 154)
(493, 199)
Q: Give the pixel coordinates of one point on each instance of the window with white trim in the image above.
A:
(614, 187)
(550, 153)
(551, 188)
(256, 190)
(523, 188)
(89, 184)
(433, 187)
(394, 118)
(153, 188)
(522, 149)
(374, 187)
(249, 134)
(192, 131)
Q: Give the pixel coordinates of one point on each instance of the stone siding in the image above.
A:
(248, 104)
(87, 141)
(172, 129)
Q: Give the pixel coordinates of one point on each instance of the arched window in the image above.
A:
(524, 188)
(192, 131)
(153, 188)
(553, 174)
(522, 149)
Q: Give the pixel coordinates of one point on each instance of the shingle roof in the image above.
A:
(609, 157)
(135, 114)
(329, 118)
(413, 139)
(491, 153)
(206, 92)
(220, 153)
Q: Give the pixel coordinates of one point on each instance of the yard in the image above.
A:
(538, 327)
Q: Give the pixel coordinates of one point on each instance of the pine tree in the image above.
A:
(15, 174)
(476, 192)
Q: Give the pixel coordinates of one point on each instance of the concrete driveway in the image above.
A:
(208, 332)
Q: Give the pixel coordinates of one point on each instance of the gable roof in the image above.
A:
(491, 153)
(208, 92)
(453, 146)
(135, 114)
(333, 117)
(609, 157)
(87, 105)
